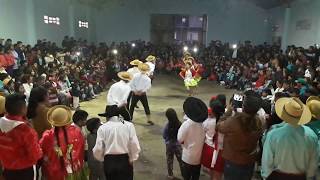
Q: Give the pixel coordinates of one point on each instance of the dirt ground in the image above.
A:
(166, 92)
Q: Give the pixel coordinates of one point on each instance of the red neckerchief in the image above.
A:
(17, 118)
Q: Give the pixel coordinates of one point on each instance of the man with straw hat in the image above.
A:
(117, 145)
(134, 70)
(63, 147)
(140, 84)
(151, 62)
(290, 152)
(119, 94)
(313, 103)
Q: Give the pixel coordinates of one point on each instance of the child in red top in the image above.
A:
(19, 147)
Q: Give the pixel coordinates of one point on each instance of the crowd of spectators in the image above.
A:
(274, 81)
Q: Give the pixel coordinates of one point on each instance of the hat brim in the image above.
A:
(103, 115)
(303, 119)
(135, 63)
(124, 78)
(152, 58)
(144, 70)
(313, 98)
(67, 121)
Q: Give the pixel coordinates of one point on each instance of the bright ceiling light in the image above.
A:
(185, 48)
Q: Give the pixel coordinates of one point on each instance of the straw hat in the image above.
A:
(59, 116)
(313, 104)
(293, 111)
(135, 62)
(188, 59)
(2, 105)
(144, 68)
(125, 75)
(151, 58)
(6, 81)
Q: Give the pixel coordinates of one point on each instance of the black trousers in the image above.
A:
(117, 167)
(144, 100)
(280, 176)
(25, 174)
(129, 100)
(191, 172)
(124, 112)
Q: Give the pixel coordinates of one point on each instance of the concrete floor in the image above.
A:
(166, 92)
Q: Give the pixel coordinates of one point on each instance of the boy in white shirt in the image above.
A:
(191, 136)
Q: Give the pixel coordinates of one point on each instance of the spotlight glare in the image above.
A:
(133, 45)
(115, 51)
(78, 53)
(185, 48)
(195, 50)
(234, 46)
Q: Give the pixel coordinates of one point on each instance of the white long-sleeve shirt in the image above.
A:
(152, 68)
(191, 135)
(133, 71)
(209, 127)
(116, 137)
(140, 82)
(118, 93)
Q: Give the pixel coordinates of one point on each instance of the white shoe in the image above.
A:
(170, 177)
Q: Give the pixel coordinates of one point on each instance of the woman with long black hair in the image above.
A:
(173, 147)
(63, 147)
(38, 107)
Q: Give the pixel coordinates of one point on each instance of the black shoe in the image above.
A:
(150, 123)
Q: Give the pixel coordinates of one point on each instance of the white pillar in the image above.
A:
(72, 20)
(286, 26)
(31, 25)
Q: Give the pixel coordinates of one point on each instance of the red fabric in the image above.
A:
(3, 62)
(213, 98)
(19, 148)
(210, 112)
(212, 77)
(52, 168)
(9, 59)
(260, 81)
(207, 153)
(219, 166)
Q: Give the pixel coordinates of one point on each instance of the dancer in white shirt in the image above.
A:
(151, 61)
(117, 145)
(118, 94)
(133, 71)
(140, 84)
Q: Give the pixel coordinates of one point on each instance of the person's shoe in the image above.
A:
(170, 177)
(150, 123)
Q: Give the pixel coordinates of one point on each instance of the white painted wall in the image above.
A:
(23, 20)
(13, 21)
(305, 9)
(300, 10)
(228, 20)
